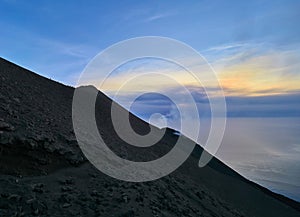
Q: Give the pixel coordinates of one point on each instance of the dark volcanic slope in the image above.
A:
(43, 172)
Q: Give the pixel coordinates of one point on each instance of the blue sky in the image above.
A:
(57, 38)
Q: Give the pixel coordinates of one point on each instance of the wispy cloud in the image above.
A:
(158, 17)
(253, 69)
(68, 49)
(242, 70)
(59, 60)
(226, 47)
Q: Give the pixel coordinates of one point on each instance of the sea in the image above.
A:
(266, 151)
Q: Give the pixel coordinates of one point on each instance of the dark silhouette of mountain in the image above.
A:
(44, 173)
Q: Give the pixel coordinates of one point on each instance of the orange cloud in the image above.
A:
(241, 73)
(267, 74)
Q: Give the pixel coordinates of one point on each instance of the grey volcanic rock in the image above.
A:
(44, 173)
(5, 126)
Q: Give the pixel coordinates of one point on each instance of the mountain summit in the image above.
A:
(44, 173)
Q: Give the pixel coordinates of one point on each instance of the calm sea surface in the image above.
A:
(266, 151)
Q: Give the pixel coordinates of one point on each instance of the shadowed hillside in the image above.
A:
(44, 173)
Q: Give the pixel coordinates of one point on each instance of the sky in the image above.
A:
(57, 39)
(253, 46)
